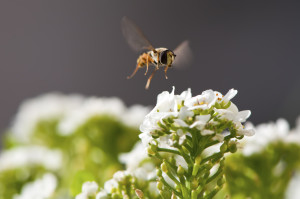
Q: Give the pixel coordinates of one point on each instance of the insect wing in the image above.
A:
(184, 55)
(134, 36)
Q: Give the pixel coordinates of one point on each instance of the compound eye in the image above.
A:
(164, 57)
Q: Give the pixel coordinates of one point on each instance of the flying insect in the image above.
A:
(159, 57)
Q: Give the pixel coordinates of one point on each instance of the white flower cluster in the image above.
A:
(44, 107)
(182, 107)
(269, 133)
(29, 156)
(73, 111)
(101, 106)
(39, 189)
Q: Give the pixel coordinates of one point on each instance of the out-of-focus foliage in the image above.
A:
(89, 152)
(262, 175)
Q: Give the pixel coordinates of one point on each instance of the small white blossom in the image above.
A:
(30, 156)
(44, 107)
(120, 176)
(102, 195)
(40, 189)
(110, 184)
(88, 189)
(203, 101)
(200, 121)
(232, 113)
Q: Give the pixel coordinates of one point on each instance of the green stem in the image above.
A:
(170, 188)
(168, 150)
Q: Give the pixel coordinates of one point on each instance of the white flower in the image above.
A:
(229, 95)
(120, 176)
(181, 108)
(30, 156)
(102, 195)
(269, 133)
(184, 113)
(200, 121)
(88, 189)
(40, 189)
(203, 101)
(166, 106)
(44, 107)
(93, 106)
(134, 115)
(236, 116)
(293, 191)
(232, 113)
(133, 159)
(110, 184)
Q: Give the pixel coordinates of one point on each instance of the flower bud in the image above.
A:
(180, 171)
(159, 185)
(150, 151)
(223, 148)
(232, 146)
(158, 172)
(164, 167)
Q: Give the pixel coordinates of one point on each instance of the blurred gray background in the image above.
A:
(77, 47)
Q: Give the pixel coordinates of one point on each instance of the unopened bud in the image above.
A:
(180, 171)
(159, 185)
(164, 167)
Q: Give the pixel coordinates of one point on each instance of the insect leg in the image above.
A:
(147, 65)
(157, 61)
(136, 69)
(166, 68)
(149, 79)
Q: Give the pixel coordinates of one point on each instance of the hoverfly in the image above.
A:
(159, 57)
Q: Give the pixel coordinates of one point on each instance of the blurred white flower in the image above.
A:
(268, 133)
(134, 115)
(133, 159)
(44, 107)
(93, 106)
(30, 156)
(39, 189)
(102, 195)
(293, 191)
(88, 189)
(110, 184)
